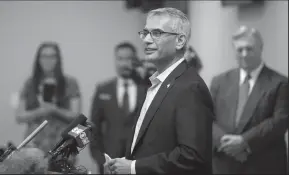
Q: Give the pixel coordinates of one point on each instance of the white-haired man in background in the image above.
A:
(251, 104)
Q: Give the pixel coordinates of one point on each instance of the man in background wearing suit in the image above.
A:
(251, 104)
(173, 133)
(143, 72)
(114, 107)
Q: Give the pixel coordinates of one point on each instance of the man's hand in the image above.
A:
(241, 157)
(105, 165)
(118, 166)
(106, 169)
(232, 144)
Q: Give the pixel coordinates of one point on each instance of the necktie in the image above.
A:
(125, 102)
(243, 97)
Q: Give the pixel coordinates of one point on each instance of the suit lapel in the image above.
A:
(255, 96)
(155, 104)
(140, 100)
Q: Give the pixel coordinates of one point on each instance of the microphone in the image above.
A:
(33, 134)
(81, 135)
(81, 119)
(76, 135)
(66, 138)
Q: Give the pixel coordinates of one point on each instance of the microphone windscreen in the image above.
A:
(81, 119)
(25, 161)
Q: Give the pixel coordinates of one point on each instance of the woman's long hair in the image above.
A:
(38, 73)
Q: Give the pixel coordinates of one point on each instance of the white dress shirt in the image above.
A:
(132, 92)
(156, 81)
(254, 76)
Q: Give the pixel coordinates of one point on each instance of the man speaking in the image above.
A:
(173, 132)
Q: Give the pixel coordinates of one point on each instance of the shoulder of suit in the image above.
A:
(224, 75)
(277, 76)
(192, 78)
(106, 83)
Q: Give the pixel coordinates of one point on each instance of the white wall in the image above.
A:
(213, 24)
(87, 33)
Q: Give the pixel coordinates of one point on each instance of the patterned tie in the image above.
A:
(243, 97)
(125, 102)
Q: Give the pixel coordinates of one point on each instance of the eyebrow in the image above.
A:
(152, 29)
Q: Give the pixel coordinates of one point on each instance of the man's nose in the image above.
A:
(148, 38)
(244, 53)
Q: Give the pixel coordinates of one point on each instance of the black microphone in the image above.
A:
(81, 135)
(74, 139)
(78, 137)
(81, 119)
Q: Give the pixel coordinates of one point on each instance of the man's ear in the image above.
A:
(181, 42)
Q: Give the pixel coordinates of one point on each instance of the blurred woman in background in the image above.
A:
(50, 95)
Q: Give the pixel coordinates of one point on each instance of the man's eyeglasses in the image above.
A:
(155, 33)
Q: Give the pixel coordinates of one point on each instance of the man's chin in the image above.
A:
(150, 58)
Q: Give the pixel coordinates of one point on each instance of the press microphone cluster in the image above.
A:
(76, 136)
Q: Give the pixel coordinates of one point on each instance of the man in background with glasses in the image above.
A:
(173, 132)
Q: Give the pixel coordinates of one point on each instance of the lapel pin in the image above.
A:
(168, 85)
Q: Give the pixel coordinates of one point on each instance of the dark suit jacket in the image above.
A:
(111, 125)
(175, 136)
(143, 81)
(263, 122)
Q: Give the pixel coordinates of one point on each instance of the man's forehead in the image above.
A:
(158, 22)
(124, 51)
(48, 50)
(245, 41)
